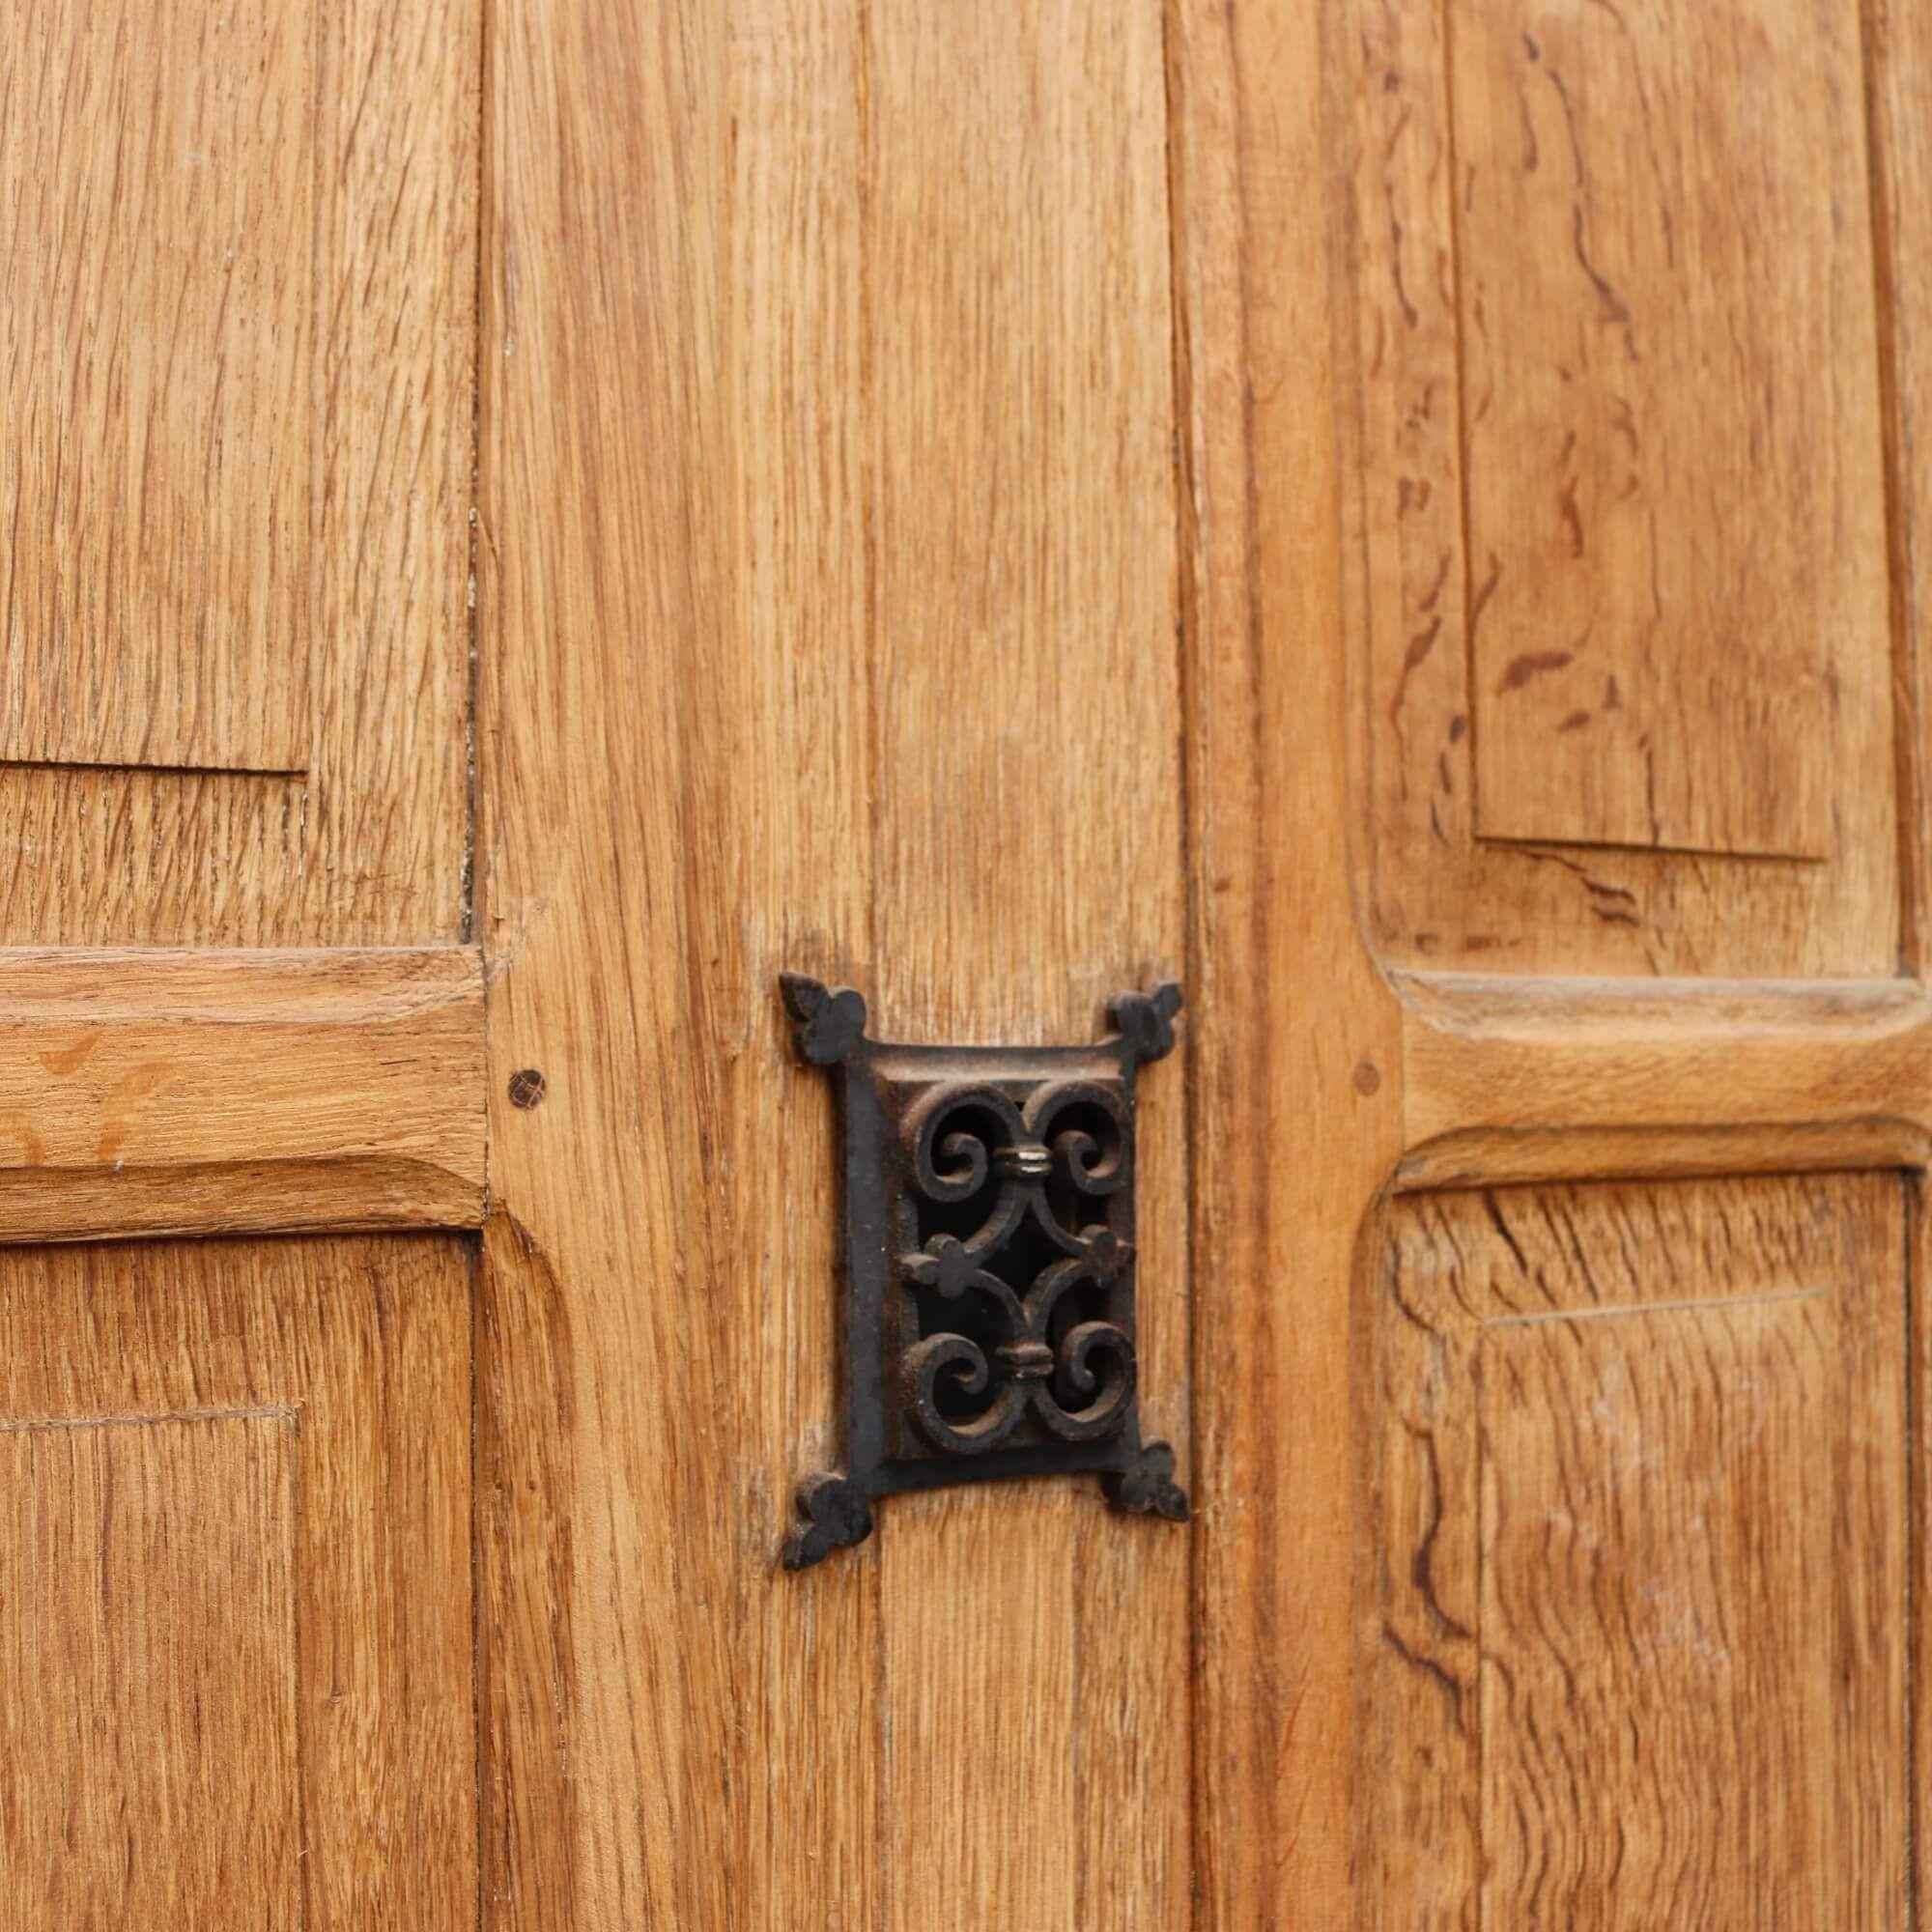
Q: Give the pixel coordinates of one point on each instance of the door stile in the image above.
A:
(1296, 1050)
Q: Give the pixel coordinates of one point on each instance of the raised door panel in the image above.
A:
(236, 1685)
(1637, 1623)
(157, 165)
(149, 1646)
(236, 369)
(1673, 475)
(1614, 396)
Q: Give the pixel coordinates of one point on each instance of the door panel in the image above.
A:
(1673, 479)
(166, 621)
(1611, 405)
(236, 1678)
(1637, 1615)
(151, 1655)
(237, 366)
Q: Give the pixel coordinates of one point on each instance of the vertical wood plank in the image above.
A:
(1918, 1739)
(385, 825)
(1027, 859)
(827, 391)
(795, 693)
(1898, 51)
(1292, 1025)
(676, 804)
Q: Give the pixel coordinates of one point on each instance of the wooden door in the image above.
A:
(529, 519)
(236, 357)
(1579, 875)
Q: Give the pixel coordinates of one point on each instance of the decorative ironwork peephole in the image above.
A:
(988, 1321)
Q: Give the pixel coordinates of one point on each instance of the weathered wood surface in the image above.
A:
(1634, 1629)
(1473, 346)
(1673, 476)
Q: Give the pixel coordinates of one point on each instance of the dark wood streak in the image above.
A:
(1599, 1498)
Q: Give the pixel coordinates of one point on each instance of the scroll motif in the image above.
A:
(991, 1262)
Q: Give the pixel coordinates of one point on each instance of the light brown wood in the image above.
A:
(1917, 1342)
(1636, 1609)
(1424, 376)
(1672, 471)
(994, 505)
(238, 358)
(1663, 1547)
(222, 1092)
(151, 1662)
(158, 352)
(1523, 1078)
(1025, 564)
(1599, 1076)
(236, 1620)
(1296, 1100)
(1899, 54)
(527, 1420)
(902, 439)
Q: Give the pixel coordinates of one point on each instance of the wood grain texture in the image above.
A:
(1026, 732)
(844, 334)
(1292, 1025)
(1672, 466)
(526, 1421)
(214, 1092)
(239, 1561)
(1919, 1577)
(1899, 40)
(1417, 373)
(1637, 1604)
(1511, 1079)
(148, 1650)
(158, 354)
(239, 367)
(1667, 1550)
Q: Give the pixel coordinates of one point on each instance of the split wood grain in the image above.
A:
(235, 1642)
(217, 1092)
(1672, 466)
(1427, 363)
(1635, 1619)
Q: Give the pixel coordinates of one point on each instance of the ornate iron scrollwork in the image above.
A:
(990, 1262)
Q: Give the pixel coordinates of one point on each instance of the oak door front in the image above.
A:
(529, 520)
